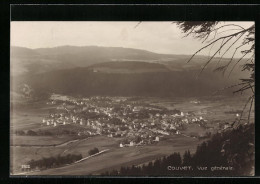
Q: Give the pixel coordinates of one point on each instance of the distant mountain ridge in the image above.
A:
(25, 60)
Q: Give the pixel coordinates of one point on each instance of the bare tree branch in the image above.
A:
(228, 36)
(137, 24)
(228, 30)
(228, 87)
(203, 30)
(227, 25)
(250, 110)
(253, 91)
(241, 114)
(236, 64)
(228, 50)
(213, 56)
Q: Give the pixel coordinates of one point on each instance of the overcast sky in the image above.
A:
(159, 37)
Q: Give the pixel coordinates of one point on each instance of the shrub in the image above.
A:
(31, 133)
(50, 162)
(19, 132)
(93, 151)
(48, 133)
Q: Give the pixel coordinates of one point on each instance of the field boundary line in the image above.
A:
(90, 156)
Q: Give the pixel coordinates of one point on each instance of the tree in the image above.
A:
(137, 139)
(211, 32)
(19, 132)
(93, 151)
(31, 133)
(187, 158)
(175, 159)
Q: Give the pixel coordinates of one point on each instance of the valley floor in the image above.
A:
(25, 148)
(114, 158)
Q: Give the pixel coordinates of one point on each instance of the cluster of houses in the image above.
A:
(61, 119)
(117, 117)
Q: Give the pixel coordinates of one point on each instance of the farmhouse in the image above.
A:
(157, 139)
(178, 132)
(131, 143)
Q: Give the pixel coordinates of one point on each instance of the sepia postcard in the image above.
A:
(130, 98)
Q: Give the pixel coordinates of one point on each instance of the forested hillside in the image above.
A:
(225, 154)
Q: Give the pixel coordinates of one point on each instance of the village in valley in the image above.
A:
(136, 122)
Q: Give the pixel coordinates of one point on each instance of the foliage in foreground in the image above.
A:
(230, 153)
(52, 162)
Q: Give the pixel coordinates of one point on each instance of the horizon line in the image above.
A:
(123, 48)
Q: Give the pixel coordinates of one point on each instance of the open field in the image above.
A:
(22, 154)
(114, 158)
(24, 121)
(194, 130)
(38, 140)
(213, 109)
(28, 116)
